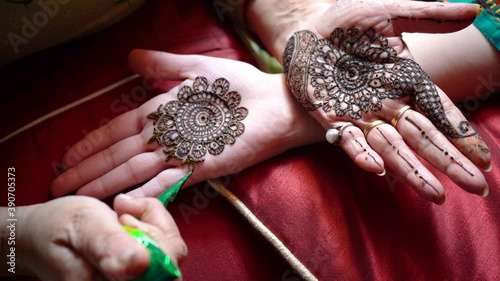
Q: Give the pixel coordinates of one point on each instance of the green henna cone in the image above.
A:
(161, 267)
(169, 195)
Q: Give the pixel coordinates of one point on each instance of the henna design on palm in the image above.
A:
(352, 72)
(203, 120)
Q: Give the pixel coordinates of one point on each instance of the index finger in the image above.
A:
(149, 215)
(149, 210)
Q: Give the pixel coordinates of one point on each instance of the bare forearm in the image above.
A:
(464, 64)
(275, 21)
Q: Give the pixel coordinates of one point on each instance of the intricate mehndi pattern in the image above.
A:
(203, 120)
(296, 63)
(353, 71)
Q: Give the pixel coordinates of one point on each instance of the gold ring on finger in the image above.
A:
(372, 125)
(395, 120)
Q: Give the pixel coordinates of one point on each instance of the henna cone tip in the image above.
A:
(169, 195)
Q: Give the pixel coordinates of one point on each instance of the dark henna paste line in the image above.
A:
(433, 143)
(426, 182)
(360, 145)
(415, 125)
(462, 166)
(446, 153)
(353, 71)
(365, 150)
(483, 149)
(374, 160)
(407, 161)
(424, 134)
(386, 139)
(433, 19)
(416, 172)
(203, 120)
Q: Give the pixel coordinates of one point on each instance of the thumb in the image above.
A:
(391, 18)
(107, 245)
(415, 16)
(152, 218)
(163, 66)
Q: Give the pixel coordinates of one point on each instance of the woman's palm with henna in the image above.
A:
(361, 72)
(239, 124)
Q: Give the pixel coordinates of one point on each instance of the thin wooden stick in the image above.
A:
(304, 273)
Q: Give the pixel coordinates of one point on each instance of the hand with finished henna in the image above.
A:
(248, 117)
(350, 64)
(274, 123)
(441, 54)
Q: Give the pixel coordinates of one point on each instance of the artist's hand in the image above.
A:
(274, 123)
(81, 238)
(352, 66)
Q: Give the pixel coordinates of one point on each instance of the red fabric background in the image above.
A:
(342, 223)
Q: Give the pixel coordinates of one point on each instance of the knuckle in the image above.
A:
(130, 168)
(153, 203)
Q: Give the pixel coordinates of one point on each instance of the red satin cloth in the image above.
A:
(341, 222)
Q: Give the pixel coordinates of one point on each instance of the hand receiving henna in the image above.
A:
(223, 116)
(363, 73)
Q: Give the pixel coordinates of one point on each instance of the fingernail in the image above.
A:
(489, 168)
(381, 174)
(117, 263)
(124, 196)
(486, 191)
(479, 9)
(126, 256)
(439, 200)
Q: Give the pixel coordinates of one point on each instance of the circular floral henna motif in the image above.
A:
(203, 120)
(352, 72)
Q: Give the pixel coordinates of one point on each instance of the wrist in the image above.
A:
(300, 128)
(275, 21)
